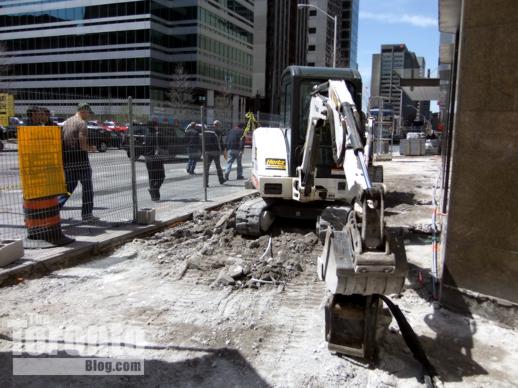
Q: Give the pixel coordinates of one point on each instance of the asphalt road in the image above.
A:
(112, 189)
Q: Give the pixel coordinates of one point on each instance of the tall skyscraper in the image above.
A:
(349, 34)
(114, 49)
(321, 33)
(387, 67)
(279, 41)
(423, 107)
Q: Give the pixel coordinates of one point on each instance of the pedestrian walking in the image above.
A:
(154, 142)
(38, 115)
(234, 146)
(75, 160)
(193, 146)
(213, 149)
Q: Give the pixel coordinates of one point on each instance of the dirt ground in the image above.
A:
(207, 308)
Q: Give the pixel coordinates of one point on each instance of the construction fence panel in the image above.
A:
(163, 159)
(34, 166)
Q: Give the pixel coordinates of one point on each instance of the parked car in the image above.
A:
(113, 126)
(172, 141)
(116, 139)
(3, 132)
(11, 131)
(98, 137)
(15, 121)
(56, 120)
(111, 138)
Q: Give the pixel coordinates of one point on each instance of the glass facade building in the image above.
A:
(115, 49)
(349, 33)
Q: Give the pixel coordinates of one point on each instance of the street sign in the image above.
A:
(41, 161)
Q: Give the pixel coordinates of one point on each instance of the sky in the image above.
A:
(412, 22)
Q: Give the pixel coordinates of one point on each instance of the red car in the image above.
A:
(113, 126)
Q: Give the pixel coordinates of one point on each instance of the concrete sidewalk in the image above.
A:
(92, 240)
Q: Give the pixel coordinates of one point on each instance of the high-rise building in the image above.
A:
(394, 61)
(376, 74)
(280, 33)
(321, 33)
(348, 37)
(114, 49)
(423, 107)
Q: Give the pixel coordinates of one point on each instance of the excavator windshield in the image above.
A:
(296, 86)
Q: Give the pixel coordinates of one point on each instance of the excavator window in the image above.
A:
(286, 105)
(306, 87)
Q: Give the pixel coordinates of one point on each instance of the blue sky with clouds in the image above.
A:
(413, 22)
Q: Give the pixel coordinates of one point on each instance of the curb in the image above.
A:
(87, 250)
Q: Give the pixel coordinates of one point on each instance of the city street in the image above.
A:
(112, 187)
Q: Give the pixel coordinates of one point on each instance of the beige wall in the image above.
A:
(481, 251)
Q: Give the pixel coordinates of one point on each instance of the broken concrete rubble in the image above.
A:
(209, 243)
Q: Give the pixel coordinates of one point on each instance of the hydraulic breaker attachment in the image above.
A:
(351, 324)
(359, 261)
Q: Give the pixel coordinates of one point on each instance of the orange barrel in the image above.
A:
(43, 221)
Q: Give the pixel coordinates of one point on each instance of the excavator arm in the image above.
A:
(360, 260)
(332, 109)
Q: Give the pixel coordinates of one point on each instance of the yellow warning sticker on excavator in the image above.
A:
(275, 164)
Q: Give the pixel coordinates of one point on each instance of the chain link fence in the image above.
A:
(136, 160)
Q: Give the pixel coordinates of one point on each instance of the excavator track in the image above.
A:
(253, 217)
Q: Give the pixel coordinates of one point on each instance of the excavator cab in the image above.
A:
(297, 84)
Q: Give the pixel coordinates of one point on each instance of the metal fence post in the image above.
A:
(205, 172)
(132, 158)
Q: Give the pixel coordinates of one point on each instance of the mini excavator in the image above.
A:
(316, 166)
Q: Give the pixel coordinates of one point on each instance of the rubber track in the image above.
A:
(248, 217)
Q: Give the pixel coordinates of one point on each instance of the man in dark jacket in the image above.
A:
(154, 161)
(235, 145)
(193, 146)
(213, 151)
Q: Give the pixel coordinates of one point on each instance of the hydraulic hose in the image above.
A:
(412, 342)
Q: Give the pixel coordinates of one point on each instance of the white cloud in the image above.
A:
(414, 20)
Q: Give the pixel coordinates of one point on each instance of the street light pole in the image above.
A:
(335, 20)
(334, 44)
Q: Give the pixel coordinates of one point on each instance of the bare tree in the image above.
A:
(181, 92)
(223, 103)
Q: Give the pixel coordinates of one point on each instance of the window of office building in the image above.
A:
(75, 14)
(241, 10)
(311, 47)
(80, 67)
(87, 40)
(312, 30)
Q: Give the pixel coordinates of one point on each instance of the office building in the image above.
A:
(280, 33)
(375, 75)
(395, 61)
(423, 107)
(321, 33)
(59, 51)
